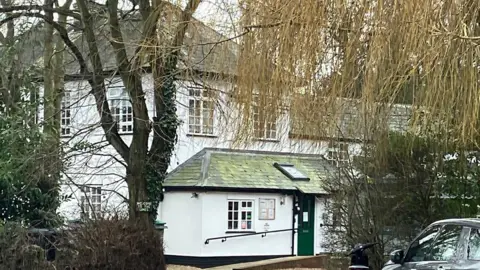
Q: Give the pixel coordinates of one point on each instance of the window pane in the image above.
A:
(235, 225)
(235, 205)
(445, 245)
(249, 215)
(230, 215)
(473, 249)
(244, 215)
(244, 204)
(230, 225)
(230, 205)
(249, 225)
(420, 249)
(197, 108)
(235, 215)
(249, 204)
(191, 107)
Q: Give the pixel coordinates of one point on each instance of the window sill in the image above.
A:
(244, 232)
(267, 140)
(201, 135)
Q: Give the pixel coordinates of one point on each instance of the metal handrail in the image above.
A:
(264, 234)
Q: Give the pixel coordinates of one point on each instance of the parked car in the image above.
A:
(446, 244)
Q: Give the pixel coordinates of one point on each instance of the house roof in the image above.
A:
(310, 119)
(243, 169)
(203, 49)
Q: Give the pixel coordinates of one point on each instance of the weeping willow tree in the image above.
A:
(304, 57)
(324, 61)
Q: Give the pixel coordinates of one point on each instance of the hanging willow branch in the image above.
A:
(307, 56)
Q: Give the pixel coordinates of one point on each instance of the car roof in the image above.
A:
(474, 222)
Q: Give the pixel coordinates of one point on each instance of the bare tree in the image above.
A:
(163, 31)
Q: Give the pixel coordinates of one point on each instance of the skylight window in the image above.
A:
(291, 172)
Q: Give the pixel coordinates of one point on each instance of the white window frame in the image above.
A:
(91, 201)
(66, 114)
(236, 221)
(201, 117)
(337, 153)
(121, 110)
(264, 128)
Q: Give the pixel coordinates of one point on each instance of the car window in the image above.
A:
(473, 248)
(445, 245)
(420, 248)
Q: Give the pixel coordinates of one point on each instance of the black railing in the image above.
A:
(264, 234)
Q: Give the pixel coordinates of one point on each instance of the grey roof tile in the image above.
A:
(249, 169)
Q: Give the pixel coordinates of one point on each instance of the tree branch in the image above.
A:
(61, 31)
(109, 126)
(164, 70)
(44, 8)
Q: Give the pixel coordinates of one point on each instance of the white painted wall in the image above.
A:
(319, 220)
(103, 166)
(214, 224)
(191, 221)
(183, 215)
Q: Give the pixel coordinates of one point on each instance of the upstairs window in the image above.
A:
(200, 111)
(91, 201)
(337, 153)
(264, 121)
(121, 109)
(66, 114)
(240, 215)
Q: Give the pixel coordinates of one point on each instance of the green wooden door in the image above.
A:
(306, 228)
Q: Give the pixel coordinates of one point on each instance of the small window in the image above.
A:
(473, 249)
(121, 109)
(91, 201)
(66, 114)
(264, 121)
(240, 215)
(338, 153)
(201, 108)
(291, 172)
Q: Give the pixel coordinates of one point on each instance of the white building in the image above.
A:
(202, 205)
(224, 206)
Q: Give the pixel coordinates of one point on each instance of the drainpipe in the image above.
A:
(294, 211)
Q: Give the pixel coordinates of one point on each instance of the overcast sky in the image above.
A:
(221, 15)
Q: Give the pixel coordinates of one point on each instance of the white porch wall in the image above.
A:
(320, 231)
(214, 224)
(191, 221)
(183, 215)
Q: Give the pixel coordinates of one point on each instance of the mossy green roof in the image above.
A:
(227, 168)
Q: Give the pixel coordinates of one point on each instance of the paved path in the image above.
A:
(257, 263)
